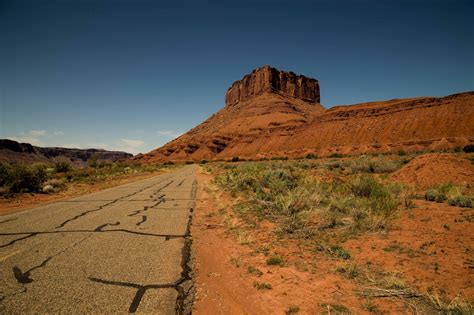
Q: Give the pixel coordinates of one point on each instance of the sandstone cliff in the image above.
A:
(14, 151)
(268, 79)
(262, 119)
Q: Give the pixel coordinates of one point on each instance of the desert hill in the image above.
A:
(24, 152)
(276, 113)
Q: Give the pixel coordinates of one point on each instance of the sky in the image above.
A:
(133, 75)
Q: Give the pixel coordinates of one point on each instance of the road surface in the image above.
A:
(124, 249)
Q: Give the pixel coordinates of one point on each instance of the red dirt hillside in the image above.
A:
(433, 169)
(275, 113)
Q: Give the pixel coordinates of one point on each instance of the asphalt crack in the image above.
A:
(24, 277)
(141, 289)
(18, 239)
(144, 218)
(184, 285)
(100, 227)
(108, 204)
(8, 220)
(97, 230)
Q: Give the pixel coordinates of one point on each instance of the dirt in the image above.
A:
(431, 245)
(434, 169)
(429, 248)
(23, 201)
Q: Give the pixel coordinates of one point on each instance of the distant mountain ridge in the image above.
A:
(11, 150)
(272, 113)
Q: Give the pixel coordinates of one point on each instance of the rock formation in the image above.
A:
(268, 79)
(275, 113)
(14, 151)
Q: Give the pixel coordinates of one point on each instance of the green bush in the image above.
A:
(274, 260)
(430, 195)
(460, 201)
(401, 152)
(336, 155)
(441, 197)
(62, 166)
(364, 186)
(468, 148)
(21, 178)
(92, 162)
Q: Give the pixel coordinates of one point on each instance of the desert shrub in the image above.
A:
(189, 162)
(364, 186)
(279, 158)
(62, 166)
(57, 184)
(274, 261)
(401, 152)
(457, 149)
(292, 309)
(92, 162)
(286, 195)
(21, 178)
(338, 252)
(441, 197)
(460, 201)
(430, 195)
(311, 156)
(449, 192)
(468, 148)
(262, 286)
(336, 155)
(235, 159)
(168, 163)
(204, 162)
(350, 271)
(367, 164)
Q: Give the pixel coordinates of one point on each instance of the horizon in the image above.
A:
(132, 76)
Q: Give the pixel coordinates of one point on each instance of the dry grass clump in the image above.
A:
(453, 194)
(287, 194)
(367, 164)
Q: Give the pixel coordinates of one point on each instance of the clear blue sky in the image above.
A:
(131, 75)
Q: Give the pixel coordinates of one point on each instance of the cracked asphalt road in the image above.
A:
(124, 249)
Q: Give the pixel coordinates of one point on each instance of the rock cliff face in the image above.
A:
(268, 79)
(274, 113)
(14, 151)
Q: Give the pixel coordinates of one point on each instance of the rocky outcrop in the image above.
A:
(268, 79)
(11, 150)
(274, 113)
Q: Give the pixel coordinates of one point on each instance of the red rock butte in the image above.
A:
(268, 79)
(272, 113)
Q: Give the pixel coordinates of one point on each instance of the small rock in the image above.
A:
(48, 189)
